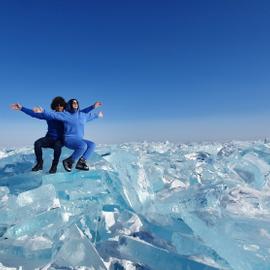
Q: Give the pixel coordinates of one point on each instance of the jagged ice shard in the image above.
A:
(152, 206)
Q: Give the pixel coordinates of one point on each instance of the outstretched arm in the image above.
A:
(92, 116)
(92, 107)
(60, 116)
(19, 107)
(39, 113)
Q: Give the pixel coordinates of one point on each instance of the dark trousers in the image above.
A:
(47, 142)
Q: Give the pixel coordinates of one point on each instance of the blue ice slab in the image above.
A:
(27, 253)
(22, 182)
(192, 246)
(252, 170)
(156, 258)
(221, 236)
(48, 223)
(77, 250)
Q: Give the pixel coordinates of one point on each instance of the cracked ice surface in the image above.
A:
(145, 206)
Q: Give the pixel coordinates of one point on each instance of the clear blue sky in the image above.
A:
(178, 70)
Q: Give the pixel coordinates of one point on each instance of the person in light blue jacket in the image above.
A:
(74, 121)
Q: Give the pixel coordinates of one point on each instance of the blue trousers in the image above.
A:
(82, 148)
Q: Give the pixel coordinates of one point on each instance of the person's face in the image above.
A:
(75, 105)
(59, 108)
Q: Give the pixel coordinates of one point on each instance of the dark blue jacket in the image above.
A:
(55, 128)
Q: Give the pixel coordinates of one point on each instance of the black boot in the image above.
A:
(67, 163)
(38, 166)
(53, 168)
(82, 165)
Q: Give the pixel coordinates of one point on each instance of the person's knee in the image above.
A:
(91, 145)
(58, 145)
(38, 143)
(83, 146)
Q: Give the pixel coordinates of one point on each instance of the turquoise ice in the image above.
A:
(145, 206)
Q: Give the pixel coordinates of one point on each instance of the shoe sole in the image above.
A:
(82, 169)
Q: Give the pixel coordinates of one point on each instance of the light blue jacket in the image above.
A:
(73, 122)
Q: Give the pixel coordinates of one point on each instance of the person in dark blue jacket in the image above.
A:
(54, 137)
(74, 121)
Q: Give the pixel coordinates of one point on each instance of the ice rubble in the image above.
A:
(152, 206)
